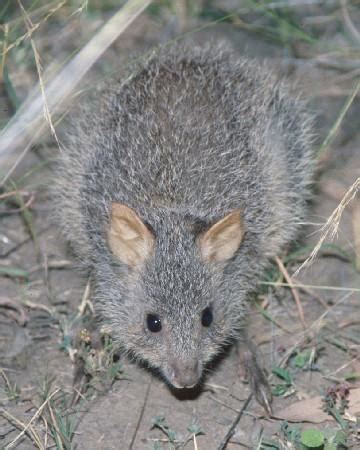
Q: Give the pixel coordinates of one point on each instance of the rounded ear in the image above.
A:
(128, 237)
(222, 240)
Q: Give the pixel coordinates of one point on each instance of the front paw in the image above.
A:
(261, 388)
(254, 374)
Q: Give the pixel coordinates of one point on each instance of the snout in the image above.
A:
(185, 374)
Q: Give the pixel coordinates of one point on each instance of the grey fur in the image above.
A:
(191, 135)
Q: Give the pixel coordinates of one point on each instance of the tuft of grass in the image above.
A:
(336, 401)
(307, 438)
(11, 390)
(279, 25)
(56, 413)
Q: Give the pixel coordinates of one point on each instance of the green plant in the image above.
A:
(286, 384)
(11, 390)
(336, 401)
(160, 423)
(312, 438)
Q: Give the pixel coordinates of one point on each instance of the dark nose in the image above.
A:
(185, 374)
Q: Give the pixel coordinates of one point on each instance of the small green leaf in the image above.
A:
(171, 435)
(159, 422)
(115, 370)
(291, 432)
(280, 389)
(312, 438)
(302, 359)
(269, 445)
(339, 344)
(195, 429)
(66, 343)
(283, 374)
(14, 272)
(355, 376)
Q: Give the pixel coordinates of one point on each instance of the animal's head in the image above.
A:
(167, 303)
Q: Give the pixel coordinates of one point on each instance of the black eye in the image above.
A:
(207, 317)
(153, 323)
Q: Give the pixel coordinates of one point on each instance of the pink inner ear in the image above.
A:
(223, 239)
(128, 237)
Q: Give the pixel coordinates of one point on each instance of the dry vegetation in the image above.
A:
(61, 384)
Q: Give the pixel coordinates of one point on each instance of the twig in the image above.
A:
(348, 323)
(141, 415)
(30, 431)
(231, 431)
(12, 194)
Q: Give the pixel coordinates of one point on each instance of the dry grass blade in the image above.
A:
(312, 294)
(312, 286)
(334, 129)
(348, 22)
(35, 416)
(295, 293)
(29, 430)
(47, 115)
(3, 59)
(56, 428)
(12, 193)
(356, 232)
(85, 301)
(32, 29)
(15, 305)
(29, 115)
(332, 224)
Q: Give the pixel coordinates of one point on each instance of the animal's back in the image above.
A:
(175, 189)
(194, 133)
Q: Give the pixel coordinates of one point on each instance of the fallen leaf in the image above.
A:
(310, 410)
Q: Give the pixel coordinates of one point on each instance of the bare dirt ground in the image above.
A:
(108, 402)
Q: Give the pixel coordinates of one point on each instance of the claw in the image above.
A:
(262, 396)
(256, 375)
